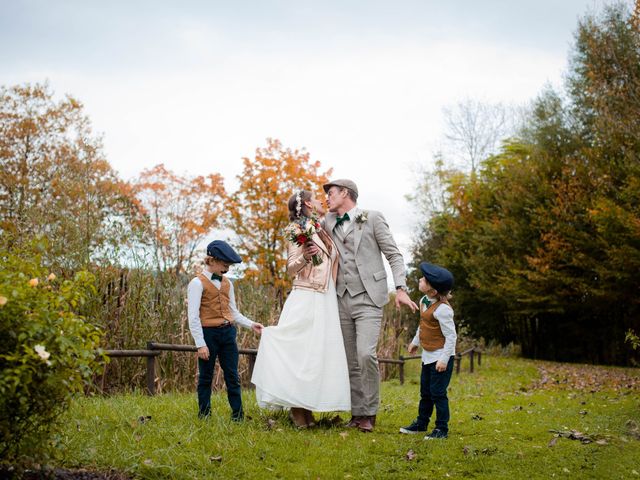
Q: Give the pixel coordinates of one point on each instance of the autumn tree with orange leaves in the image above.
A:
(258, 209)
(56, 181)
(181, 211)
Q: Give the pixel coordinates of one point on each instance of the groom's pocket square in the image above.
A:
(380, 275)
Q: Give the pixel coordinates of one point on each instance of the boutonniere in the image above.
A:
(360, 219)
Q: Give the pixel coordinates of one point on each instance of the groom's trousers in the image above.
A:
(360, 320)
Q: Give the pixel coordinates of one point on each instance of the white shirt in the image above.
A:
(194, 295)
(444, 315)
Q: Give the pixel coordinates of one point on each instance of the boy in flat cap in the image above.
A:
(437, 336)
(212, 320)
(362, 237)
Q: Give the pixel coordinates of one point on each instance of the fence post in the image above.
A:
(151, 371)
(479, 358)
(471, 361)
(458, 361)
(252, 363)
(401, 366)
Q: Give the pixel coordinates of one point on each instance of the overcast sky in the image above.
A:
(197, 85)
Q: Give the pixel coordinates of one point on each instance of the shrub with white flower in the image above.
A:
(40, 367)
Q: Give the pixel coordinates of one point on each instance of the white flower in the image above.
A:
(42, 352)
(361, 218)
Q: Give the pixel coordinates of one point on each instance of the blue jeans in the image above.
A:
(433, 392)
(222, 344)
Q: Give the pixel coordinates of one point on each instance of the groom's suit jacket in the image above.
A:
(361, 248)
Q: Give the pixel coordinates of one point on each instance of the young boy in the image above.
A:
(212, 318)
(437, 336)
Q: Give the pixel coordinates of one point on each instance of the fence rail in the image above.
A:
(155, 349)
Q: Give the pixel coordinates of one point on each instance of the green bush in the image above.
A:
(47, 351)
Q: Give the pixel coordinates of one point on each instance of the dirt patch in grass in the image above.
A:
(61, 474)
(586, 378)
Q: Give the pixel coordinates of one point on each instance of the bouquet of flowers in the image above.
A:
(300, 232)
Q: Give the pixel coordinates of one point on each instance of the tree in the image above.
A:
(56, 182)
(475, 129)
(543, 239)
(259, 211)
(181, 211)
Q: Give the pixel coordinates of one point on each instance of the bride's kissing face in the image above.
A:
(316, 205)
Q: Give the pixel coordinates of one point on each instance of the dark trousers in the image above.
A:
(222, 345)
(433, 392)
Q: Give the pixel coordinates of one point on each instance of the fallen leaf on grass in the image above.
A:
(410, 455)
(215, 458)
(144, 418)
(148, 461)
(602, 441)
(466, 449)
(583, 412)
(553, 441)
(271, 423)
(344, 435)
(476, 417)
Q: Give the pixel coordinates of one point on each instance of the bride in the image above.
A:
(301, 362)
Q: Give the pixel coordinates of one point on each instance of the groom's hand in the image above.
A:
(309, 250)
(203, 353)
(402, 298)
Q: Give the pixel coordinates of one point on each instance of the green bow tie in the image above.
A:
(342, 219)
(426, 301)
(215, 276)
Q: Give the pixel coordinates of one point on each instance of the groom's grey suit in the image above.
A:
(362, 292)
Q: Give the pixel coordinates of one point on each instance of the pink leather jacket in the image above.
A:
(305, 275)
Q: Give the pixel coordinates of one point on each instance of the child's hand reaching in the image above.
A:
(411, 348)
(257, 328)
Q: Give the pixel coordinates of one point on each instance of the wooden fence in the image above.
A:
(155, 349)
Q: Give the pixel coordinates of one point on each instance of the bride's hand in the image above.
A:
(309, 250)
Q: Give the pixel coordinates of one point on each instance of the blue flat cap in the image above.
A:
(439, 278)
(223, 251)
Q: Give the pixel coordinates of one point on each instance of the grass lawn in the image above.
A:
(500, 428)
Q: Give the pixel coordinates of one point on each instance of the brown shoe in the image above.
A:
(308, 417)
(365, 425)
(354, 422)
(372, 419)
(297, 417)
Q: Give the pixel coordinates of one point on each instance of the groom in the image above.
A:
(362, 236)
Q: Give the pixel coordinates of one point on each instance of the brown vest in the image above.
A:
(431, 337)
(214, 304)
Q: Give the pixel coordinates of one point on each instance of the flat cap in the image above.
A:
(343, 182)
(439, 278)
(223, 251)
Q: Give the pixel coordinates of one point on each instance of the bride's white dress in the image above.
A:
(301, 362)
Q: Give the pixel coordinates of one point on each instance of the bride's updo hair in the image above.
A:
(296, 210)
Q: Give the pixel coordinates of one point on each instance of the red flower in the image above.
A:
(302, 239)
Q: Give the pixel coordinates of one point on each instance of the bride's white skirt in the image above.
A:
(301, 362)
